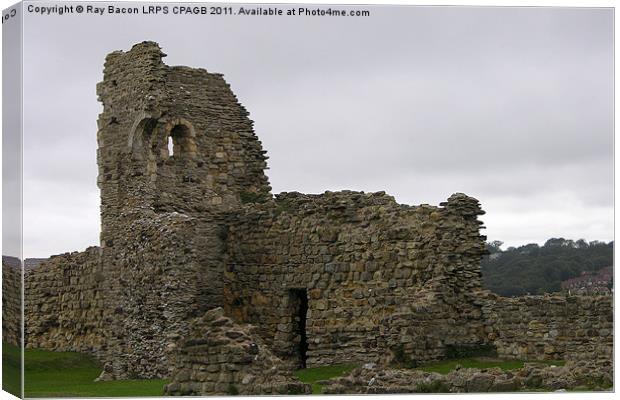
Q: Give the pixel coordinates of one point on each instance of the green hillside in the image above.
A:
(538, 269)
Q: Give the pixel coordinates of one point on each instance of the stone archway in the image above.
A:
(180, 135)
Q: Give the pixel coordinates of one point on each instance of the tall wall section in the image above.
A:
(168, 274)
(175, 150)
(378, 276)
(215, 158)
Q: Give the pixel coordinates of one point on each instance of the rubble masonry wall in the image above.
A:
(370, 267)
(552, 327)
(11, 302)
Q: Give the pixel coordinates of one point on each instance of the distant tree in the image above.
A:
(581, 244)
(495, 246)
(555, 242)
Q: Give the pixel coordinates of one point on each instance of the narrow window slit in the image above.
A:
(170, 146)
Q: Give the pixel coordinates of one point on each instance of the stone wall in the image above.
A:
(11, 301)
(215, 160)
(218, 357)
(160, 262)
(552, 327)
(370, 268)
(374, 379)
(378, 276)
(175, 150)
(66, 303)
(128, 310)
(167, 272)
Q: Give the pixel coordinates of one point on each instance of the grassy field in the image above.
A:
(444, 367)
(11, 371)
(313, 375)
(55, 374)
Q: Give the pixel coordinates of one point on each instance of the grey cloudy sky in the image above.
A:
(513, 106)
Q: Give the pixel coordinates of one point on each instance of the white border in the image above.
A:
(481, 3)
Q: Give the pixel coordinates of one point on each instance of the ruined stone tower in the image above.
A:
(176, 150)
(171, 139)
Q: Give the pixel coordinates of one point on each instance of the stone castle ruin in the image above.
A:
(204, 277)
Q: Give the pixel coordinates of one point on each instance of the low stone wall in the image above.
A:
(11, 302)
(219, 357)
(370, 268)
(551, 327)
(373, 379)
(424, 329)
(66, 303)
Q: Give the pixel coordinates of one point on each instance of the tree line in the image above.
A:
(534, 269)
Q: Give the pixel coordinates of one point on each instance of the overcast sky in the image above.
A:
(513, 106)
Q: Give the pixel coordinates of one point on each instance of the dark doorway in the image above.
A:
(299, 302)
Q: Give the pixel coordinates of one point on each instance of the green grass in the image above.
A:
(11, 371)
(444, 367)
(56, 374)
(313, 375)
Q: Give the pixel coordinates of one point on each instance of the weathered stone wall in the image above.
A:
(161, 245)
(160, 261)
(552, 327)
(128, 313)
(216, 157)
(11, 301)
(218, 357)
(425, 328)
(371, 268)
(66, 303)
(374, 379)
(168, 273)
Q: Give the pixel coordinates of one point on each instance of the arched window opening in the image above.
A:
(180, 142)
(141, 137)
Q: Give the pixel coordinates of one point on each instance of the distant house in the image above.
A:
(590, 282)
